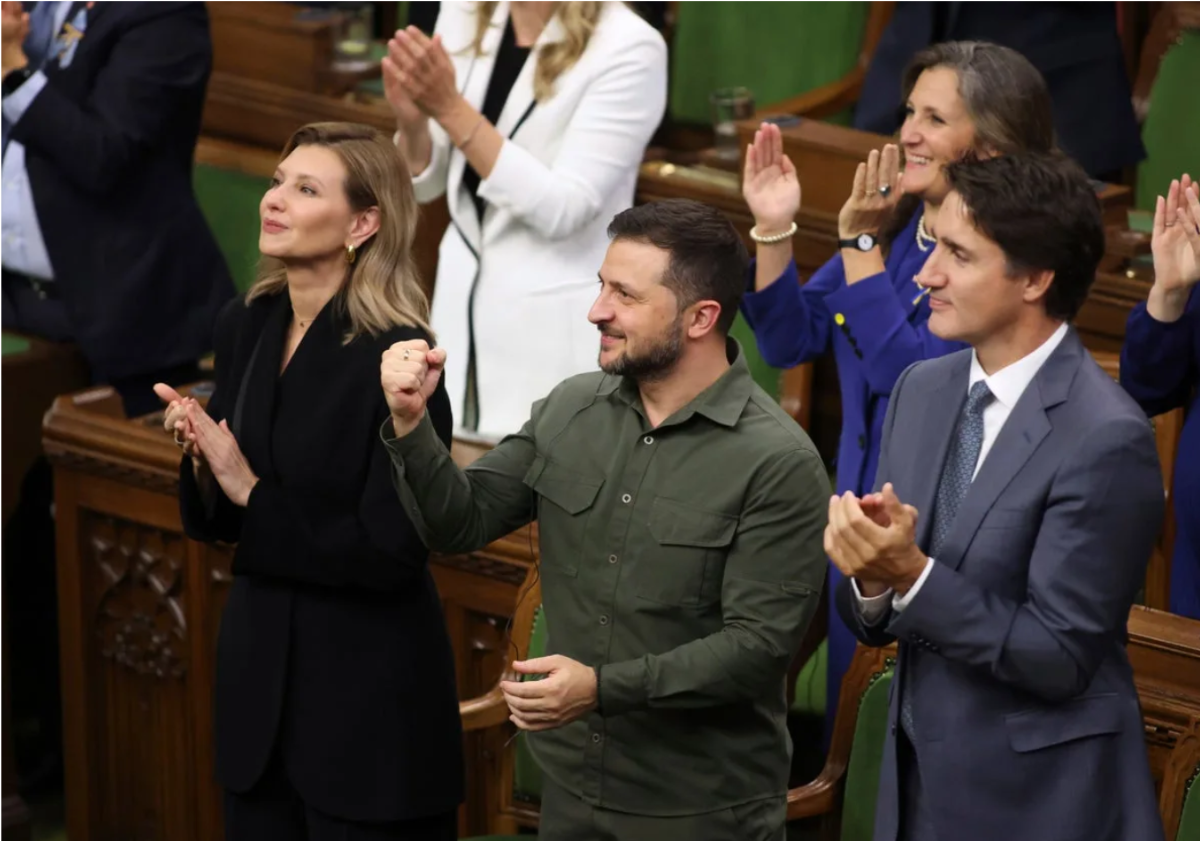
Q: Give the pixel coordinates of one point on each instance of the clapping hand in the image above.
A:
(769, 182)
(874, 539)
(216, 446)
(175, 419)
(420, 67)
(14, 26)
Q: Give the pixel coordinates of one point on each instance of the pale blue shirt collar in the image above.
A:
(1008, 384)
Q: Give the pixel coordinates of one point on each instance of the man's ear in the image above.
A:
(704, 318)
(1037, 286)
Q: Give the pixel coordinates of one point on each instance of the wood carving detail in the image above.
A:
(485, 566)
(139, 617)
(138, 476)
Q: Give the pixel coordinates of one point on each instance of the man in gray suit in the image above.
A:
(1019, 497)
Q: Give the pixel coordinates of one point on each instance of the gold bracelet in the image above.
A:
(772, 238)
(471, 133)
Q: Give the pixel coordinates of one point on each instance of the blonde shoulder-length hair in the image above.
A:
(382, 288)
(578, 22)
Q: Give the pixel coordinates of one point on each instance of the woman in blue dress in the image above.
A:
(1160, 368)
(961, 98)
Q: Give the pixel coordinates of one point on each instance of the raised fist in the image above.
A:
(409, 374)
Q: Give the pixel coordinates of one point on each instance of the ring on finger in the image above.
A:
(406, 353)
(179, 440)
(884, 190)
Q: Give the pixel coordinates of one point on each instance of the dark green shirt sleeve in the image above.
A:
(456, 510)
(771, 587)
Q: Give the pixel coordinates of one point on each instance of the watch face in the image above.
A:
(865, 242)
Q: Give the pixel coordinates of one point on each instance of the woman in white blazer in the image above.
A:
(536, 147)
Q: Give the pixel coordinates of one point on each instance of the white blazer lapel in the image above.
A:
(475, 73)
(520, 100)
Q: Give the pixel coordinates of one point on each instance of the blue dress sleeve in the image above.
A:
(790, 321)
(1158, 364)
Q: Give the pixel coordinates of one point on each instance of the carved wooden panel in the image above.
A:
(136, 657)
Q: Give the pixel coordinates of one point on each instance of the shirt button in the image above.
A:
(612, 559)
(649, 439)
(603, 619)
(595, 738)
(626, 498)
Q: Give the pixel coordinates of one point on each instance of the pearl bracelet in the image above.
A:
(773, 238)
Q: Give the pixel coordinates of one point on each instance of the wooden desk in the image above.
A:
(139, 608)
(35, 371)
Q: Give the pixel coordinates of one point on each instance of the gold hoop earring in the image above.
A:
(351, 256)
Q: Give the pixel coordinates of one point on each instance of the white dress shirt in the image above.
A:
(1006, 385)
(24, 247)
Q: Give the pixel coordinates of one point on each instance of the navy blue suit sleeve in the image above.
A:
(160, 64)
(1158, 366)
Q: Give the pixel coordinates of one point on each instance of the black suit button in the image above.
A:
(858, 353)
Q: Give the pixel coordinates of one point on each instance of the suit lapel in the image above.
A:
(477, 75)
(1023, 432)
(258, 411)
(940, 408)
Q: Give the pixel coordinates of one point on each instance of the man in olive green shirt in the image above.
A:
(681, 516)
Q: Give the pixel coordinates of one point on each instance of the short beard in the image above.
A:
(656, 363)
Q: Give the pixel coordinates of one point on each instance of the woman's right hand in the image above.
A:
(409, 118)
(175, 420)
(769, 183)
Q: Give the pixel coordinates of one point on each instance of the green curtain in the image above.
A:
(777, 50)
(1172, 129)
(229, 201)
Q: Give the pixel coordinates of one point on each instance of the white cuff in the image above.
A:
(872, 609)
(18, 102)
(901, 602)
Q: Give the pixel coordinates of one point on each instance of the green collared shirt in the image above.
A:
(684, 562)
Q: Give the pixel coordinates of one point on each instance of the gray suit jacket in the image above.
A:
(1013, 651)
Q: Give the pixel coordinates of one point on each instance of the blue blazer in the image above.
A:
(876, 329)
(1160, 367)
(1013, 651)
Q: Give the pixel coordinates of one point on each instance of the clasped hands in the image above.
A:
(207, 443)
(567, 692)
(418, 77)
(874, 541)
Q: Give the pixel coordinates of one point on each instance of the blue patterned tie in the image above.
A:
(960, 465)
(38, 41)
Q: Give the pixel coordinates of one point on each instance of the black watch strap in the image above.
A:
(862, 242)
(14, 79)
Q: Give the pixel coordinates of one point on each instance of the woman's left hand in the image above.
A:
(223, 455)
(868, 207)
(426, 72)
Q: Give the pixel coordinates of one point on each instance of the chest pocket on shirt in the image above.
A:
(566, 500)
(685, 562)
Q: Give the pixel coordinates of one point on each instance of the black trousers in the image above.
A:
(274, 810)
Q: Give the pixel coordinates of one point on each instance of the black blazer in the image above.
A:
(333, 646)
(1075, 46)
(109, 144)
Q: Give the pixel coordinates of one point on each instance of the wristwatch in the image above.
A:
(862, 242)
(13, 79)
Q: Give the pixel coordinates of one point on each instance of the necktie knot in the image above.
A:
(978, 399)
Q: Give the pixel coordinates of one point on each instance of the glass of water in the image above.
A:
(728, 106)
(352, 38)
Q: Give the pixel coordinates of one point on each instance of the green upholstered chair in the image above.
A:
(515, 776)
(1189, 819)
(843, 794)
(229, 201)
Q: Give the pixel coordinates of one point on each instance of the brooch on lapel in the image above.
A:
(69, 36)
